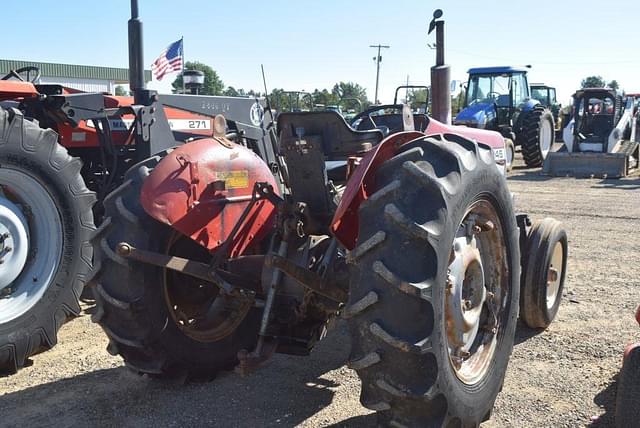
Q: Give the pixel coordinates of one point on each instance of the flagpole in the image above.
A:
(184, 90)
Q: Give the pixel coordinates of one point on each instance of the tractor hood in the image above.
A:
(476, 115)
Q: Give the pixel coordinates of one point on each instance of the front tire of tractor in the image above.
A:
(537, 136)
(46, 221)
(543, 273)
(510, 154)
(434, 292)
(161, 322)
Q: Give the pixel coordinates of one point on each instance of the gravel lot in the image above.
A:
(565, 376)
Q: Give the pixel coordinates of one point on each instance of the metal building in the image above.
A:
(83, 77)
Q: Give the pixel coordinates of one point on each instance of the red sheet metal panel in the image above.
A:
(345, 221)
(202, 188)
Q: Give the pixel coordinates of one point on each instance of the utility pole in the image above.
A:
(378, 60)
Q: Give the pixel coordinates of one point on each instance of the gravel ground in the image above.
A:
(564, 376)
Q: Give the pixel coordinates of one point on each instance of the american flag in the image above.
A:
(170, 60)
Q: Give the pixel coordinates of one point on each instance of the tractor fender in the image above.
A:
(529, 104)
(202, 188)
(345, 223)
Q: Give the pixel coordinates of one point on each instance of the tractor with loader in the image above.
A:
(214, 252)
(499, 99)
(601, 139)
(547, 97)
(58, 161)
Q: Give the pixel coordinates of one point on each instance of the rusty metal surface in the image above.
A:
(202, 188)
(189, 267)
(307, 278)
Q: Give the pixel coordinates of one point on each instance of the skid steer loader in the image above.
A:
(601, 140)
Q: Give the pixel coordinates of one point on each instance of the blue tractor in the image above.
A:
(499, 99)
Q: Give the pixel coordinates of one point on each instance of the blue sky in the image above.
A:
(313, 44)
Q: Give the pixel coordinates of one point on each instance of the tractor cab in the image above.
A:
(494, 98)
(543, 93)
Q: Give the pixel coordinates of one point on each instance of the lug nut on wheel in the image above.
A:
(123, 249)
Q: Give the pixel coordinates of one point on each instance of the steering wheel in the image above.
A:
(16, 74)
(368, 116)
(493, 95)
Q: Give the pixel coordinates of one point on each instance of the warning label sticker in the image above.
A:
(234, 179)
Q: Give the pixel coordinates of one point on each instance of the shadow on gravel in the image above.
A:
(524, 333)
(529, 175)
(362, 421)
(606, 399)
(286, 392)
(623, 184)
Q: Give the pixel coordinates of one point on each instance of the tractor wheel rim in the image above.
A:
(196, 307)
(554, 275)
(546, 135)
(32, 251)
(476, 292)
(510, 155)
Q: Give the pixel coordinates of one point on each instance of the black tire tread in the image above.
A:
(379, 355)
(528, 138)
(533, 309)
(139, 329)
(23, 139)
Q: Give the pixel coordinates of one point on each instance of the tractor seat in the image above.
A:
(502, 101)
(337, 139)
(601, 125)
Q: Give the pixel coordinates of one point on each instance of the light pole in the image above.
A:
(378, 60)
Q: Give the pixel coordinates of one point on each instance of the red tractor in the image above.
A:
(628, 395)
(61, 151)
(217, 252)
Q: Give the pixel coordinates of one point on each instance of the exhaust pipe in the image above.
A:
(440, 75)
(136, 53)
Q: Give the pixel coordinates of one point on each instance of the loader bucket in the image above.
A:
(591, 164)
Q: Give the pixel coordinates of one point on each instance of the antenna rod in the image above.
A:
(136, 53)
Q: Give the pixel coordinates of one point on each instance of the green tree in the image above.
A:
(120, 91)
(344, 90)
(231, 92)
(614, 85)
(324, 97)
(212, 83)
(593, 82)
(417, 98)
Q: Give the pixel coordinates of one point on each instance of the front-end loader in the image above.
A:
(214, 256)
(61, 152)
(601, 140)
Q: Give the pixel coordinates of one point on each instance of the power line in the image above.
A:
(547, 62)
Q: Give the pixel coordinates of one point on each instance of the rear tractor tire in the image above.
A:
(46, 221)
(163, 323)
(537, 136)
(434, 292)
(543, 273)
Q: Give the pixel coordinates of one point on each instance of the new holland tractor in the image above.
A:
(499, 99)
(216, 252)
